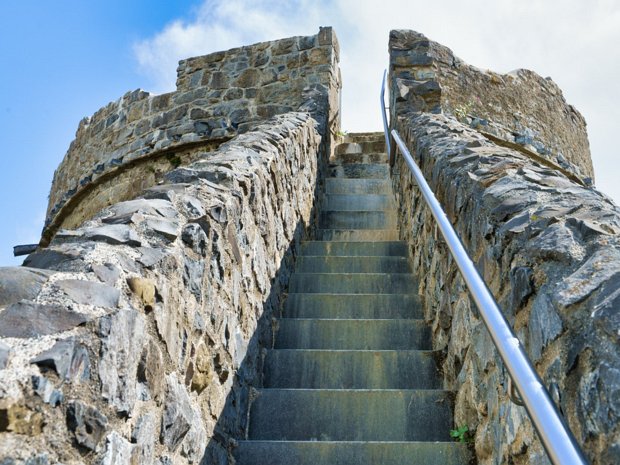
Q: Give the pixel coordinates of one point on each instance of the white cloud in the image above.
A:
(572, 41)
(220, 25)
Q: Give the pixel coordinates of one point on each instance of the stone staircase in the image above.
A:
(351, 378)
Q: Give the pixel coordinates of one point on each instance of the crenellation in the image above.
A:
(519, 107)
(218, 96)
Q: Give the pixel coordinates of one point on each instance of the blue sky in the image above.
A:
(62, 60)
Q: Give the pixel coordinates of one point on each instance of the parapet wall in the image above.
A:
(137, 337)
(520, 109)
(549, 249)
(218, 96)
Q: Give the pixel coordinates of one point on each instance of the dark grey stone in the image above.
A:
(5, 354)
(521, 285)
(150, 371)
(40, 459)
(555, 243)
(45, 389)
(126, 263)
(219, 214)
(193, 206)
(516, 224)
(544, 325)
(18, 283)
(601, 266)
(27, 319)
(599, 402)
(177, 417)
(192, 276)
(588, 229)
(24, 249)
(108, 273)
(87, 423)
(122, 336)
(143, 436)
(167, 228)
(89, 292)
(154, 207)
(193, 236)
(165, 191)
(117, 450)
(606, 305)
(52, 259)
(68, 358)
(150, 256)
(216, 175)
(508, 207)
(114, 234)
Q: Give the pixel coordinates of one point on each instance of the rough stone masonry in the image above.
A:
(547, 245)
(135, 336)
(135, 333)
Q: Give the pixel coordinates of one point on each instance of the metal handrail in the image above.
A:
(385, 122)
(556, 437)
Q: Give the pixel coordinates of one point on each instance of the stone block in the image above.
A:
(27, 319)
(87, 424)
(68, 358)
(89, 293)
(18, 283)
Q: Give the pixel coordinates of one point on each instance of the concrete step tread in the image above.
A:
(363, 320)
(352, 264)
(348, 306)
(360, 145)
(358, 219)
(353, 283)
(399, 258)
(359, 157)
(351, 453)
(351, 369)
(352, 414)
(356, 351)
(358, 202)
(352, 248)
(353, 334)
(359, 171)
(358, 186)
(361, 235)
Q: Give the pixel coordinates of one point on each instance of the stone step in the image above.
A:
(360, 283)
(351, 415)
(357, 186)
(363, 136)
(348, 249)
(351, 369)
(360, 171)
(358, 202)
(348, 306)
(355, 264)
(362, 235)
(361, 146)
(378, 219)
(366, 157)
(354, 334)
(350, 453)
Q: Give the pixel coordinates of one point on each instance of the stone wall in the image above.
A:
(520, 109)
(218, 96)
(549, 249)
(137, 337)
